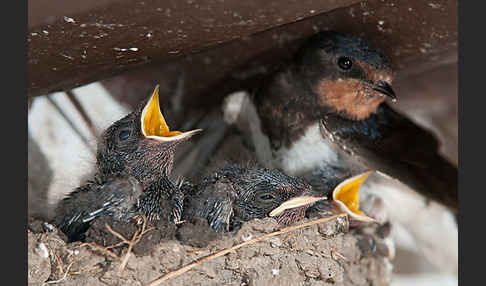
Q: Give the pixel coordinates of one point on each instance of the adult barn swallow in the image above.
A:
(235, 194)
(325, 110)
(136, 151)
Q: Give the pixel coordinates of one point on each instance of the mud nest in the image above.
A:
(326, 253)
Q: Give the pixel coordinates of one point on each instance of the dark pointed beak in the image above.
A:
(384, 88)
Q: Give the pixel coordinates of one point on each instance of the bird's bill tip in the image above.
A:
(295, 203)
(346, 196)
(153, 123)
(385, 88)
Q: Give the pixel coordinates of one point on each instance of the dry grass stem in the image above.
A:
(188, 267)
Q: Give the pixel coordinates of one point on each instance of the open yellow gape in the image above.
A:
(346, 197)
(153, 123)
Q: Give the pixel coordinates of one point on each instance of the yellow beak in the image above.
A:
(153, 123)
(346, 197)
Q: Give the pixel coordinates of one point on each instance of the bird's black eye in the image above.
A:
(267, 197)
(124, 134)
(345, 63)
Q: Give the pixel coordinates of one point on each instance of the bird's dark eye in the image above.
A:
(124, 134)
(267, 197)
(345, 63)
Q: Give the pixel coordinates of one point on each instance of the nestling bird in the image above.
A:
(140, 144)
(135, 152)
(115, 195)
(235, 194)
